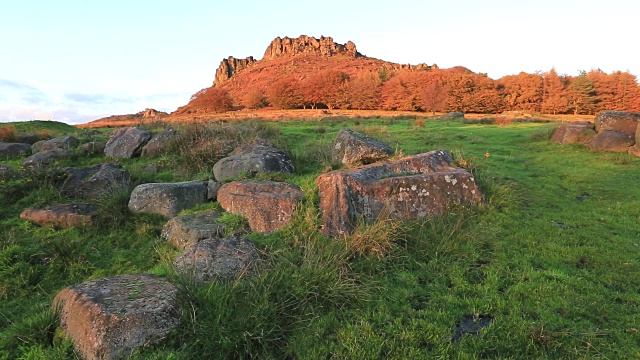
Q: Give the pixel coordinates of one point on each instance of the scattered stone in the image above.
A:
(110, 318)
(257, 157)
(351, 147)
(8, 150)
(267, 205)
(7, 173)
(43, 159)
(415, 187)
(187, 230)
(95, 181)
(62, 142)
(167, 199)
(92, 148)
(61, 216)
(212, 190)
(470, 324)
(618, 121)
(453, 115)
(126, 142)
(573, 133)
(159, 143)
(30, 139)
(611, 141)
(218, 259)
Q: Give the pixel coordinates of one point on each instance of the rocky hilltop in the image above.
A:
(228, 67)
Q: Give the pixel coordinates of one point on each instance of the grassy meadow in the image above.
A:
(552, 256)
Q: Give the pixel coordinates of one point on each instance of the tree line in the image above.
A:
(456, 89)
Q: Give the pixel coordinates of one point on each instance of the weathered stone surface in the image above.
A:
(126, 142)
(306, 44)
(415, 187)
(257, 157)
(7, 173)
(611, 141)
(453, 115)
(61, 215)
(573, 133)
(43, 159)
(635, 150)
(110, 318)
(159, 143)
(218, 259)
(93, 148)
(352, 147)
(619, 121)
(8, 150)
(30, 138)
(62, 142)
(267, 205)
(187, 230)
(95, 181)
(167, 199)
(212, 190)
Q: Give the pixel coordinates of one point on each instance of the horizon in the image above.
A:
(76, 62)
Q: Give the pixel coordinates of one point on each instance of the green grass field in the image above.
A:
(552, 256)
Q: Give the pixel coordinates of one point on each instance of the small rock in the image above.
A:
(126, 142)
(351, 147)
(187, 230)
(92, 148)
(43, 159)
(212, 190)
(218, 259)
(453, 115)
(95, 181)
(470, 324)
(61, 216)
(62, 142)
(257, 157)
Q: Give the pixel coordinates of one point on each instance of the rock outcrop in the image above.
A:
(267, 205)
(61, 216)
(126, 142)
(229, 67)
(110, 318)
(325, 46)
(619, 121)
(352, 147)
(167, 199)
(415, 187)
(187, 230)
(218, 259)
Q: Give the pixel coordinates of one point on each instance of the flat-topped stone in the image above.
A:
(61, 215)
(167, 199)
(187, 230)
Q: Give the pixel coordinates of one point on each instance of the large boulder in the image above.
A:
(187, 230)
(61, 215)
(415, 187)
(62, 142)
(126, 142)
(92, 148)
(611, 141)
(267, 205)
(351, 147)
(110, 318)
(257, 157)
(8, 150)
(30, 138)
(218, 259)
(95, 181)
(43, 159)
(167, 199)
(159, 143)
(619, 121)
(573, 133)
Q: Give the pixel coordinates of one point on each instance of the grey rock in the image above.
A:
(95, 181)
(92, 148)
(187, 230)
(167, 199)
(7, 173)
(43, 159)
(62, 142)
(212, 190)
(9, 150)
(258, 157)
(126, 142)
(159, 143)
(218, 259)
(351, 147)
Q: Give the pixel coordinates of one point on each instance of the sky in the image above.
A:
(77, 61)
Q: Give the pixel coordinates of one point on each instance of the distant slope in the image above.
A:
(54, 128)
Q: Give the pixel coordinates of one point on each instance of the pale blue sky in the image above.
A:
(76, 61)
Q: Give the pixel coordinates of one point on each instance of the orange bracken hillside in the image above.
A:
(310, 73)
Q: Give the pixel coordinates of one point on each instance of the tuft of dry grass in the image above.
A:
(8, 134)
(375, 239)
